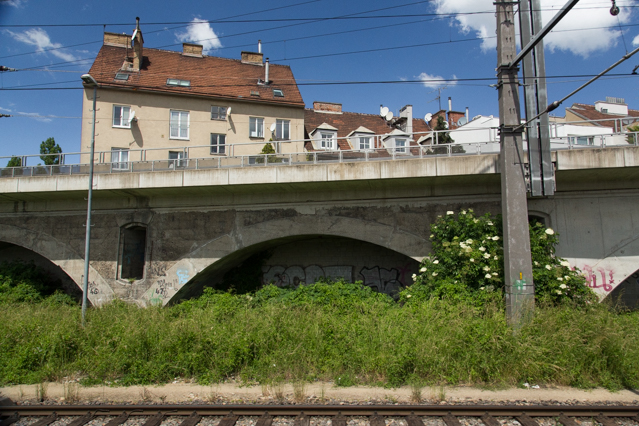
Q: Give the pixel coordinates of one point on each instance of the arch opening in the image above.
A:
(626, 294)
(305, 259)
(56, 278)
(132, 251)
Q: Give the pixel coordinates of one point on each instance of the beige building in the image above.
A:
(164, 108)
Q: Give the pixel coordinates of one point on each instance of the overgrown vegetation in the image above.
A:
(24, 282)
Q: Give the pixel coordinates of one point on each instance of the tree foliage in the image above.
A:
(14, 162)
(50, 147)
(444, 137)
(632, 137)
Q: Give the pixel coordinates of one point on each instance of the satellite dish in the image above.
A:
(383, 112)
(428, 117)
(389, 116)
(228, 111)
(462, 121)
(132, 116)
(273, 127)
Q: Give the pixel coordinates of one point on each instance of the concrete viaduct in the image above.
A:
(161, 236)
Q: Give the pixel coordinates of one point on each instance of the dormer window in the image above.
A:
(327, 140)
(362, 139)
(278, 93)
(121, 76)
(324, 137)
(176, 82)
(397, 142)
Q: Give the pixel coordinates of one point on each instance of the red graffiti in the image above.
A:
(591, 278)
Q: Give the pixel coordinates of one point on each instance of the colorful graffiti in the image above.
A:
(607, 282)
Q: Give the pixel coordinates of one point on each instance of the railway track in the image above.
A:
(339, 414)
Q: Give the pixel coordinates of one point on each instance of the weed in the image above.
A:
(41, 391)
(391, 399)
(71, 392)
(416, 393)
(212, 396)
(278, 391)
(438, 394)
(145, 394)
(323, 393)
(299, 391)
(265, 391)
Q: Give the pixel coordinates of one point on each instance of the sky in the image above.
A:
(361, 54)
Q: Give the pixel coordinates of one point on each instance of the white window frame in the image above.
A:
(178, 124)
(256, 127)
(220, 113)
(403, 149)
(360, 143)
(218, 145)
(328, 140)
(119, 158)
(177, 159)
(123, 120)
(283, 129)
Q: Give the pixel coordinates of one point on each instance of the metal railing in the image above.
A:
(144, 160)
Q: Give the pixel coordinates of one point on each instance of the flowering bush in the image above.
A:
(468, 263)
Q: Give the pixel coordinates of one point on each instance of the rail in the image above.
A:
(199, 157)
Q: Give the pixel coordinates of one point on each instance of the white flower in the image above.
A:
(494, 273)
(434, 274)
(486, 268)
(549, 231)
(482, 288)
(566, 277)
(414, 277)
(565, 263)
(463, 212)
(475, 220)
(560, 279)
(431, 235)
(563, 286)
(488, 276)
(435, 262)
(548, 267)
(469, 241)
(472, 260)
(536, 263)
(486, 256)
(449, 212)
(496, 258)
(408, 296)
(423, 269)
(481, 249)
(495, 238)
(558, 292)
(489, 223)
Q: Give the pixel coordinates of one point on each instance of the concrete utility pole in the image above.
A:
(520, 293)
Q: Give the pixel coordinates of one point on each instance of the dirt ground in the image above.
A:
(317, 392)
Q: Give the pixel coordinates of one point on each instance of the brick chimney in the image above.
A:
(190, 49)
(327, 107)
(252, 58)
(137, 43)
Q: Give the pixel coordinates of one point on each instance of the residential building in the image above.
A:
(156, 104)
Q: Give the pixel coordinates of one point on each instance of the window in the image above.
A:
(119, 158)
(256, 127)
(179, 125)
(327, 141)
(132, 252)
(278, 93)
(400, 145)
(365, 142)
(218, 143)
(177, 159)
(121, 116)
(218, 113)
(176, 82)
(283, 129)
(121, 76)
(582, 140)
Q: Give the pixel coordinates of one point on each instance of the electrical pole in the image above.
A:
(520, 293)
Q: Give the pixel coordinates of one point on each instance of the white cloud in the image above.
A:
(35, 116)
(635, 42)
(14, 3)
(435, 81)
(199, 31)
(40, 39)
(587, 14)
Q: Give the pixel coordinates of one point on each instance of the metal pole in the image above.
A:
(517, 258)
(87, 241)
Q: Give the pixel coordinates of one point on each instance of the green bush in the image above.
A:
(25, 282)
(467, 264)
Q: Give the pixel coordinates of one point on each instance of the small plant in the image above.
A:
(299, 391)
(391, 398)
(438, 394)
(41, 391)
(71, 392)
(323, 393)
(212, 396)
(278, 391)
(416, 393)
(265, 391)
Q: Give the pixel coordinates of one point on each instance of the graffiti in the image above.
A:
(592, 275)
(382, 280)
(183, 276)
(93, 288)
(296, 275)
(157, 269)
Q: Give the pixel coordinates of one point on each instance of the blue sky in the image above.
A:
(414, 46)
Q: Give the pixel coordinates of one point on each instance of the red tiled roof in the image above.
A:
(209, 76)
(347, 122)
(588, 112)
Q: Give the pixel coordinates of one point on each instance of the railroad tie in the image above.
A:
(47, 420)
(567, 421)
(117, 421)
(191, 420)
(339, 420)
(10, 420)
(526, 420)
(605, 420)
(228, 420)
(302, 420)
(155, 420)
(377, 420)
(413, 420)
(490, 420)
(265, 420)
(451, 420)
(81, 421)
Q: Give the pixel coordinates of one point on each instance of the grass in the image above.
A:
(361, 340)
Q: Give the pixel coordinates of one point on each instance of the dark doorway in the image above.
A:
(133, 252)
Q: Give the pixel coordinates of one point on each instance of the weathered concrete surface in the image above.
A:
(201, 223)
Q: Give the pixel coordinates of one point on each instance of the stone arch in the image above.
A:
(61, 255)
(626, 294)
(231, 248)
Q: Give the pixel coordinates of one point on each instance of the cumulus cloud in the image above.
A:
(435, 81)
(14, 3)
(569, 35)
(199, 31)
(40, 39)
(635, 42)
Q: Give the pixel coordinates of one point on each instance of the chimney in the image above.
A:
(467, 119)
(266, 80)
(327, 107)
(407, 112)
(259, 46)
(137, 41)
(252, 58)
(190, 49)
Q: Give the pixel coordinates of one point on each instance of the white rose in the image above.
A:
(558, 292)
(486, 256)
(488, 276)
(548, 267)
(463, 212)
(495, 238)
(449, 212)
(469, 241)
(494, 273)
(481, 249)
(486, 268)
(434, 274)
(560, 279)
(496, 258)
(414, 277)
(563, 286)
(472, 260)
(489, 223)
(549, 231)
(423, 269)
(435, 262)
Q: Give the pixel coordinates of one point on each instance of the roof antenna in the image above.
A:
(634, 71)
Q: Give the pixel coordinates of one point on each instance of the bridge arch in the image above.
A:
(62, 256)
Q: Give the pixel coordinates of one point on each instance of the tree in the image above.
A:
(268, 150)
(632, 137)
(14, 162)
(50, 147)
(443, 138)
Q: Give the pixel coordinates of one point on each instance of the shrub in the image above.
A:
(25, 282)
